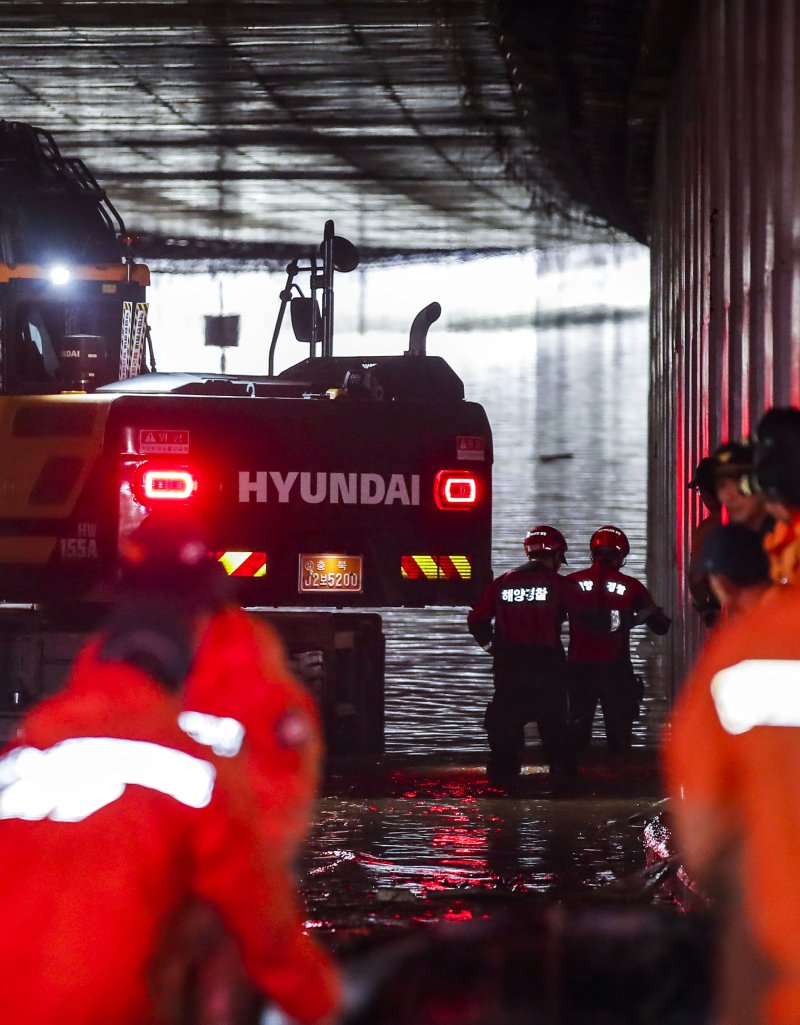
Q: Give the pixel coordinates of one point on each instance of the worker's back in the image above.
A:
(111, 821)
(733, 756)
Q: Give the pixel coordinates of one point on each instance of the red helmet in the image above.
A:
(545, 539)
(610, 537)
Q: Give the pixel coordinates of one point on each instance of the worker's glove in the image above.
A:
(482, 632)
(654, 616)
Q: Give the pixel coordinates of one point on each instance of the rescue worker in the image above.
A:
(732, 756)
(737, 567)
(777, 479)
(113, 822)
(518, 620)
(733, 464)
(240, 697)
(732, 762)
(704, 484)
(241, 673)
(600, 667)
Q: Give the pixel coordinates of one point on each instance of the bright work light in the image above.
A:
(59, 275)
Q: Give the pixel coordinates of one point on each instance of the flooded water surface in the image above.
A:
(425, 838)
(421, 840)
(579, 392)
(440, 845)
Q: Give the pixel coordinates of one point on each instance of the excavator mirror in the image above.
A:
(303, 316)
(345, 254)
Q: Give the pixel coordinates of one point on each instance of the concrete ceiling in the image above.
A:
(239, 128)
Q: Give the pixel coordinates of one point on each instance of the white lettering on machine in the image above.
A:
(314, 487)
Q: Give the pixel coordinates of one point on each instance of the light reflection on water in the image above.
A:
(441, 844)
(458, 842)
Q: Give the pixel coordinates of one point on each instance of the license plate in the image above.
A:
(330, 573)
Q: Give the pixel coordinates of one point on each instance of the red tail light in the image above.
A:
(164, 483)
(456, 489)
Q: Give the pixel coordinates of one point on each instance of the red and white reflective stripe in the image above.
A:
(436, 567)
(243, 564)
(77, 777)
(757, 692)
(222, 734)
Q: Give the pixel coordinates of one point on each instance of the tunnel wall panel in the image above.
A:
(725, 317)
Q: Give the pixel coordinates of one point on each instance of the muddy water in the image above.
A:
(424, 838)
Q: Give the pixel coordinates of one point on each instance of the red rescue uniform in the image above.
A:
(610, 590)
(519, 616)
(600, 668)
(732, 761)
(112, 820)
(528, 606)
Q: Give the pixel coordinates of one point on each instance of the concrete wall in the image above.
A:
(725, 263)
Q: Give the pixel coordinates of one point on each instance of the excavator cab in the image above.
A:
(73, 314)
(70, 336)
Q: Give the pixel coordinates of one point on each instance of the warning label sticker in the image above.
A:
(470, 449)
(160, 443)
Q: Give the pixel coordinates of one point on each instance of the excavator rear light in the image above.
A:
(456, 489)
(156, 484)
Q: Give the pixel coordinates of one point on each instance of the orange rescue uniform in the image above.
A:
(112, 821)
(732, 761)
(240, 671)
(248, 701)
(782, 545)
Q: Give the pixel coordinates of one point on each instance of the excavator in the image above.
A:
(342, 482)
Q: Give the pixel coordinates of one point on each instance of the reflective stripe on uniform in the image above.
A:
(757, 692)
(77, 777)
(222, 734)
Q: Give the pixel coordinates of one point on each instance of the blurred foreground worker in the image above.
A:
(240, 698)
(115, 825)
(733, 467)
(737, 567)
(777, 478)
(518, 620)
(732, 762)
(240, 679)
(600, 667)
(704, 600)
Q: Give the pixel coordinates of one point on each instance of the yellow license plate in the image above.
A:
(330, 573)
